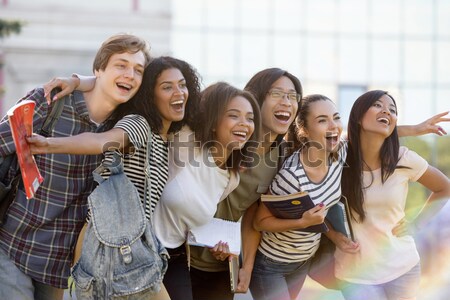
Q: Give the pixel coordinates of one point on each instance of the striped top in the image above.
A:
(137, 128)
(296, 245)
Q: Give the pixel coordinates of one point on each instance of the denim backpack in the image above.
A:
(121, 255)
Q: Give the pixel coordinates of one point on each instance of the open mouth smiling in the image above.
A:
(282, 115)
(178, 104)
(124, 86)
(333, 137)
(384, 121)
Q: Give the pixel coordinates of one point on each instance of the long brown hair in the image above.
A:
(352, 176)
(214, 100)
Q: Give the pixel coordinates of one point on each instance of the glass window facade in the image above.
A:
(397, 45)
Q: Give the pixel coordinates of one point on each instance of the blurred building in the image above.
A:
(62, 37)
(339, 48)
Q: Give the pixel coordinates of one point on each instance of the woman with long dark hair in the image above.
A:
(376, 186)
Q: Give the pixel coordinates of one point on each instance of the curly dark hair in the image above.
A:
(143, 102)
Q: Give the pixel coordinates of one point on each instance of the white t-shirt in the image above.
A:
(190, 196)
(383, 257)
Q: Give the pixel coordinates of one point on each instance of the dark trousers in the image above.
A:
(177, 279)
(211, 285)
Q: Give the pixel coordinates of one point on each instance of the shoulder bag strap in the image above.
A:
(147, 192)
(52, 117)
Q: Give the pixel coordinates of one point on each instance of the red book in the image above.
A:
(21, 121)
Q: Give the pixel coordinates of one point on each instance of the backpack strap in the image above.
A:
(115, 167)
(53, 116)
(147, 191)
(5, 164)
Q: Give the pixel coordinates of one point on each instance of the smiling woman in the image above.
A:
(315, 167)
(228, 118)
(376, 185)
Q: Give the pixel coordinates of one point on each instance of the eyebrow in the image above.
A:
(280, 89)
(391, 105)
(325, 116)
(127, 61)
(181, 80)
(239, 111)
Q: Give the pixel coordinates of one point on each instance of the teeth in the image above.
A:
(282, 113)
(332, 135)
(244, 134)
(124, 85)
(177, 102)
(384, 120)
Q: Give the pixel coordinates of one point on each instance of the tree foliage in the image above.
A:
(8, 27)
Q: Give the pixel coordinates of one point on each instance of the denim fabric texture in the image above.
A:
(277, 280)
(403, 287)
(14, 284)
(121, 256)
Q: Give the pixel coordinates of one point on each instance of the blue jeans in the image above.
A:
(277, 280)
(403, 287)
(14, 284)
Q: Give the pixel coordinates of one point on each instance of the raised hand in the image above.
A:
(431, 125)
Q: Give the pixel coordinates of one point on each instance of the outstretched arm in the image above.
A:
(68, 85)
(428, 126)
(84, 143)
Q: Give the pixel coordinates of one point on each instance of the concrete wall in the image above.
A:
(62, 37)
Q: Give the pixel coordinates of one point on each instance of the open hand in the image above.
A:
(431, 125)
(67, 85)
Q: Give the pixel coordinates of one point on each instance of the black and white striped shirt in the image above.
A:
(296, 245)
(137, 128)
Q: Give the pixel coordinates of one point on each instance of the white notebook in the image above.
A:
(217, 230)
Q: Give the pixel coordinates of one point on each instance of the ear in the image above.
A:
(97, 73)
